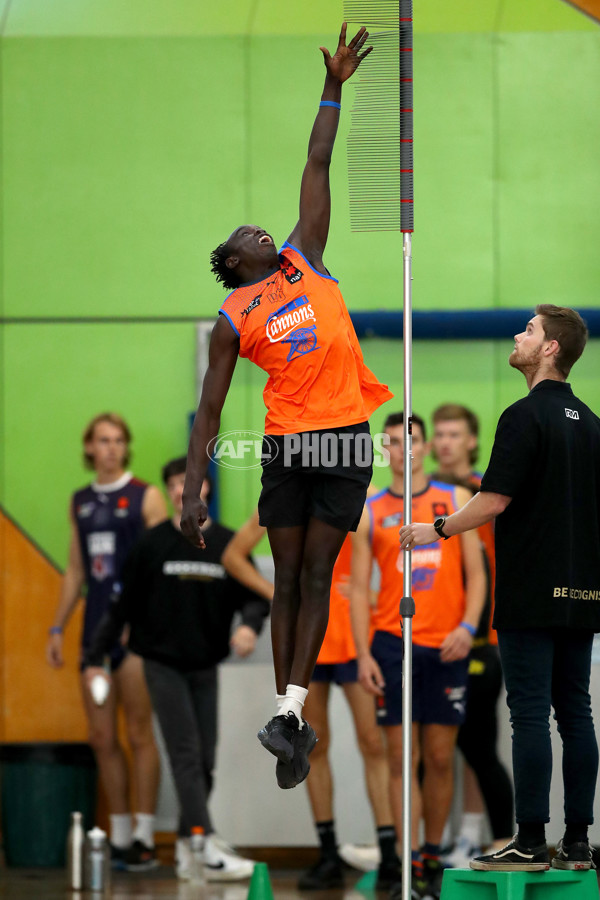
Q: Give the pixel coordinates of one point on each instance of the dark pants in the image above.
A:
(544, 667)
(478, 738)
(186, 706)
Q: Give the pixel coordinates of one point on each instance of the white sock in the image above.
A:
(144, 829)
(279, 698)
(120, 830)
(447, 835)
(471, 828)
(294, 701)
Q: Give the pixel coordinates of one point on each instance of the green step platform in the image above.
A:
(555, 884)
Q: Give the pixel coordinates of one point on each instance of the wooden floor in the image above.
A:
(161, 883)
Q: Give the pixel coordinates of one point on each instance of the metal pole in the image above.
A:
(407, 604)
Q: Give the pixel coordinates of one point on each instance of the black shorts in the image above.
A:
(338, 673)
(320, 474)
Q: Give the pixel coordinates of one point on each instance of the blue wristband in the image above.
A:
(470, 628)
(56, 629)
(330, 103)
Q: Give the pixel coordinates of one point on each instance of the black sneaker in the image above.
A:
(293, 773)
(514, 858)
(418, 887)
(433, 872)
(117, 858)
(326, 873)
(278, 736)
(389, 874)
(576, 857)
(139, 858)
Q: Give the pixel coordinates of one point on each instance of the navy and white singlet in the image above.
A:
(109, 522)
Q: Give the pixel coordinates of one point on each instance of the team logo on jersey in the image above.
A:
(275, 294)
(392, 521)
(571, 413)
(85, 510)
(251, 306)
(439, 509)
(122, 509)
(426, 561)
(291, 273)
(295, 324)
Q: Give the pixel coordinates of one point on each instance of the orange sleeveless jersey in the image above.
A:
(486, 535)
(437, 572)
(295, 325)
(338, 643)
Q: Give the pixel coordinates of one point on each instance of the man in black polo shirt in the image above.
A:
(543, 484)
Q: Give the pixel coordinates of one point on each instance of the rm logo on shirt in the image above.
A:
(571, 413)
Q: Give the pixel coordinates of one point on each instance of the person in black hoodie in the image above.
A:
(179, 603)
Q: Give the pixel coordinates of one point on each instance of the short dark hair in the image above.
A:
(221, 270)
(398, 419)
(174, 467)
(568, 328)
(451, 412)
(177, 467)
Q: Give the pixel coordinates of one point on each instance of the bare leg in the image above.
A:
(102, 722)
(438, 743)
(394, 746)
(372, 748)
(304, 559)
(287, 545)
(131, 684)
(319, 781)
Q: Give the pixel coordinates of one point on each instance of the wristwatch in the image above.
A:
(439, 527)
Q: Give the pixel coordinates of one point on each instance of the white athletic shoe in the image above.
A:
(183, 858)
(461, 854)
(365, 857)
(222, 863)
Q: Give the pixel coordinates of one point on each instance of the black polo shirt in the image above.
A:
(546, 456)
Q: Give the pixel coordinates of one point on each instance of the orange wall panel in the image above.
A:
(39, 703)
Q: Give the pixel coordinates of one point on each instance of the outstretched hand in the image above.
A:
(347, 58)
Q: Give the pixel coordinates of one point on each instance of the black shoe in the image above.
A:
(278, 736)
(389, 874)
(514, 858)
(139, 858)
(291, 774)
(117, 858)
(433, 872)
(418, 887)
(326, 873)
(576, 857)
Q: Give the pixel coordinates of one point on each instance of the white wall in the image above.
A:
(247, 806)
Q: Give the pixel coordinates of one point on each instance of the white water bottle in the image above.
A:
(197, 876)
(97, 862)
(75, 842)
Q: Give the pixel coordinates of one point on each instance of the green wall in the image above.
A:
(138, 133)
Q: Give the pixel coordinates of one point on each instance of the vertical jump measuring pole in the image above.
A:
(407, 604)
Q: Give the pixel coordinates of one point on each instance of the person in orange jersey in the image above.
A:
(448, 588)
(286, 313)
(336, 664)
(455, 447)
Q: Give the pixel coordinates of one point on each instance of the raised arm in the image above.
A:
(222, 357)
(310, 234)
